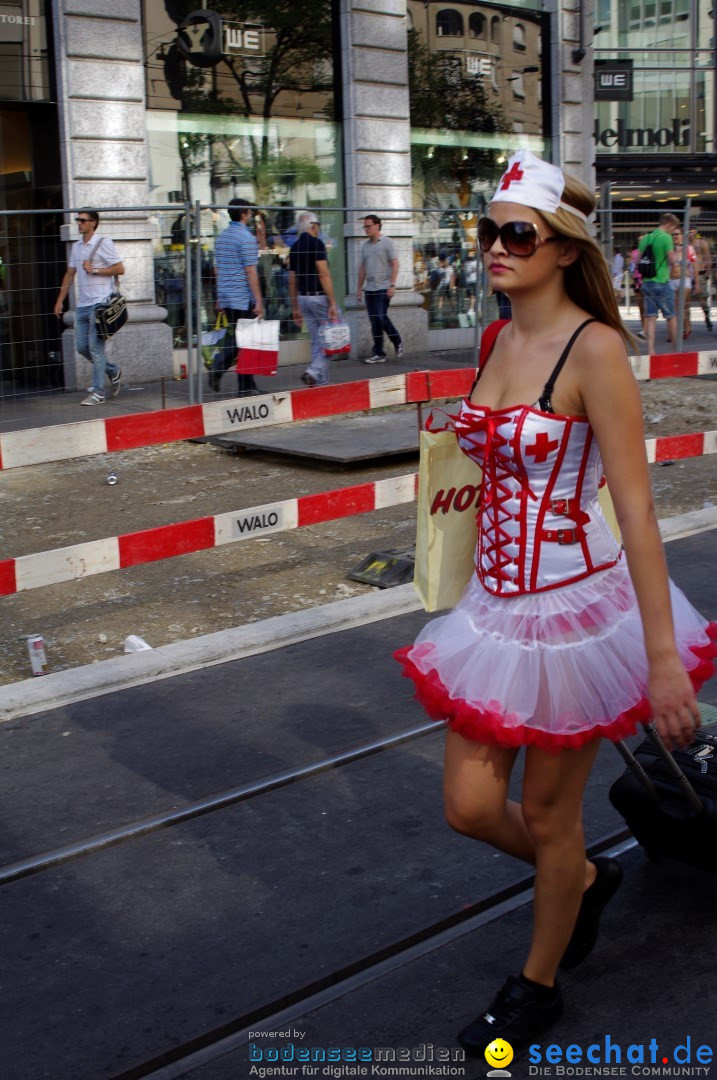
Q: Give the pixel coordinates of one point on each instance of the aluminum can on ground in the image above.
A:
(36, 650)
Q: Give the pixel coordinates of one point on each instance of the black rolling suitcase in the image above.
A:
(669, 800)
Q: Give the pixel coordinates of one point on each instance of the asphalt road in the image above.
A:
(116, 957)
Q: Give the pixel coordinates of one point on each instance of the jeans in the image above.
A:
(315, 310)
(658, 296)
(227, 356)
(377, 307)
(90, 345)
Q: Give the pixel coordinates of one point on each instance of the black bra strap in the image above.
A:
(550, 384)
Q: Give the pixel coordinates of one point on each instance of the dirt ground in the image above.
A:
(51, 506)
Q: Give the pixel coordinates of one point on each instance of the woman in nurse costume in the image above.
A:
(561, 637)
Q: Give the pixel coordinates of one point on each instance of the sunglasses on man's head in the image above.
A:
(519, 238)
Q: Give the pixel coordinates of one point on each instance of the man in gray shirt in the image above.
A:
(378, 270)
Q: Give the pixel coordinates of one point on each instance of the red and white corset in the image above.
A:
(540, 523)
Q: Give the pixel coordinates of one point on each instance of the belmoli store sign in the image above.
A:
(621, 137)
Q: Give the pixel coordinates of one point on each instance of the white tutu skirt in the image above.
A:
(554, 669)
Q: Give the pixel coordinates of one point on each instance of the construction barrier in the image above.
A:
(166, 541)
(37, 446)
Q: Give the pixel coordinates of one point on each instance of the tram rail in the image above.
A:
(276, 1014)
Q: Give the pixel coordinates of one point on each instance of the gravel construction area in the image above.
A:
(51, 506)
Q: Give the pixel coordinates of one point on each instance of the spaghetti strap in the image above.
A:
(544, 400)
(487, 342)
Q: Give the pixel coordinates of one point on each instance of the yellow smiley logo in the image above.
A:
(499, 1053)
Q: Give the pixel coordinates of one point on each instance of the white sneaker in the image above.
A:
(399, 351)
(94, 399)
(375, 359)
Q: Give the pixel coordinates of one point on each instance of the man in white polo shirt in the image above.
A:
(94, 263)
(378, 271)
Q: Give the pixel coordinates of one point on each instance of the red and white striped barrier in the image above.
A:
(36, 446)
(166, 541)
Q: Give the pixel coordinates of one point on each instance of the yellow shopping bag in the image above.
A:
(447, 532)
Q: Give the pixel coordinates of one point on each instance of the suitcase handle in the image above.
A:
(691, 796)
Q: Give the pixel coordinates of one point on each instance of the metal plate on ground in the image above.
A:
(334, 442)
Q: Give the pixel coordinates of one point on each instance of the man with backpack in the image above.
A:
(657, 257)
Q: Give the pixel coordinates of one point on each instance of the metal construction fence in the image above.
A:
(169, 280)
(620, 229)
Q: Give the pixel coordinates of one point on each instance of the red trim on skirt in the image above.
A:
(489, 723)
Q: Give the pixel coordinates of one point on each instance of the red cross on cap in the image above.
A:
(516, 173)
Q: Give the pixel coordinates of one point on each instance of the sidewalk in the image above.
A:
(62, 407)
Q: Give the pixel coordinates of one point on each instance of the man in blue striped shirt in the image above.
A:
(236, 254)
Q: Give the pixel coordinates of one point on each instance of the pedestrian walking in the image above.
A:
(561, 638)
(657, 294)
(236, 255)
(312, 293)
(94, 264)
(689, 279)
(377, 276)
(636, 278)
(703, 267)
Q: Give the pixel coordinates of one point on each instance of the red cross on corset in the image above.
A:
(542, 446)
(516, 173)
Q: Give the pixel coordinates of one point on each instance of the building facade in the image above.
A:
(405, 108)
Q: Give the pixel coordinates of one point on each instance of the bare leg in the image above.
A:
(475, 788)
(552, 808)
(650, 321)
(476, 778)
(671, 329)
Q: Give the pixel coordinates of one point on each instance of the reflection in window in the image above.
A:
(519, 37)
(518, 83)
(495, 28)
(476, 25)
(449, 23)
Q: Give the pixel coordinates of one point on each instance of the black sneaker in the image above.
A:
(517, 1014)
(595, 899)
(115, 382)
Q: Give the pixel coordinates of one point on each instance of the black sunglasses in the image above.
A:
(83, 220)
(519, 238)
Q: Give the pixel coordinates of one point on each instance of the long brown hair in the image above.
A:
(588, 281)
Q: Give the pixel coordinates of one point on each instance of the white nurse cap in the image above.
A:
(530, 181)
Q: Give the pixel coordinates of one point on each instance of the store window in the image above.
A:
(24, 67)
(672, 107)
(258, 124)
(469, 110)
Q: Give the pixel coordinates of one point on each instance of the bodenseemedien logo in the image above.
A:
(498, 1054)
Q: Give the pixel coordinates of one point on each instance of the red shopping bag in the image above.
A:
(258, 346)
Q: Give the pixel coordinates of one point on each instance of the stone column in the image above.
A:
(572, 87)
(377, 156)
(101, 100)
